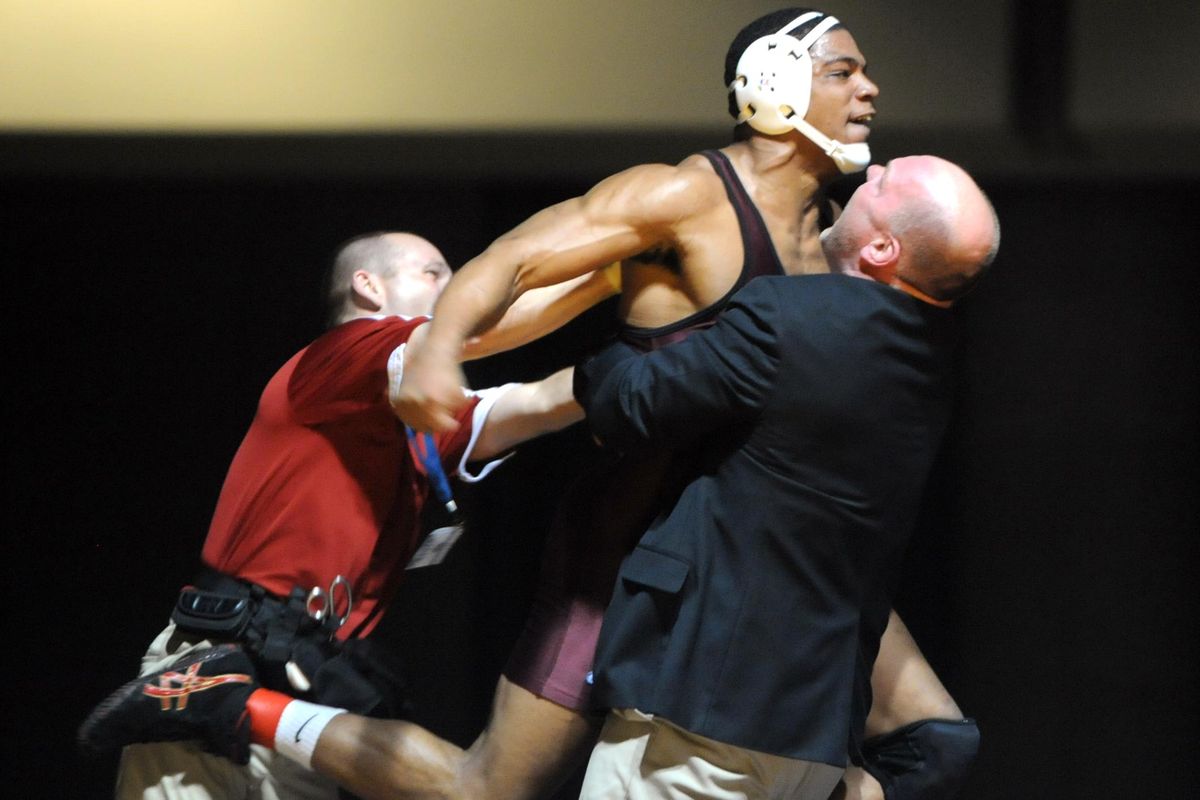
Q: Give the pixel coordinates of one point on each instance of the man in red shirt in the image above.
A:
(320, 510)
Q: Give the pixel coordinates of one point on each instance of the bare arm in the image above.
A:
(543, 310)
(526, 411)
(520, 413)
(620, 217)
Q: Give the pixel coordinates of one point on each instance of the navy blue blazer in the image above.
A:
(751, 610)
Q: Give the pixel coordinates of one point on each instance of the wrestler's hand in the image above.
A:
(857, 784)
(430, 393)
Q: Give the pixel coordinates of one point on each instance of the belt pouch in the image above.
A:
(210, 613)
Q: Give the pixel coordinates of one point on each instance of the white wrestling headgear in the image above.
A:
(773, 85)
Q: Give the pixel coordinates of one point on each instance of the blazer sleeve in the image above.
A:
(678, 394)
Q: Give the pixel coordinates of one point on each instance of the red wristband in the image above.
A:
(265, 707)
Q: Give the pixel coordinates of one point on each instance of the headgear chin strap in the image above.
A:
(849, 157)
(773, 87)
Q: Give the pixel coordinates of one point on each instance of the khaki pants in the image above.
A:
(641, 757)
(182, 771)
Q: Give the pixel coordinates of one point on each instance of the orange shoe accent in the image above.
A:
(265, 707)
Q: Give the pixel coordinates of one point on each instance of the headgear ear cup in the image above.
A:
(773, 86)
(774, 79)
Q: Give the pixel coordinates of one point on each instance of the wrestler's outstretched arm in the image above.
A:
(541, 311)
(621, 216)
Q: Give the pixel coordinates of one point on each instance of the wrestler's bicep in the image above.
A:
(621, 216)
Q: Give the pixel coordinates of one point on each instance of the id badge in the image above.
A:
(435, 547)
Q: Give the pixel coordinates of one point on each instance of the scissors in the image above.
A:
(322, 604)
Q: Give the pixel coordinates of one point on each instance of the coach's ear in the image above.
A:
(366, 289)
(879, 257)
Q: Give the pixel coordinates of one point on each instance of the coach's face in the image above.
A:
(417, 275)
(861, 241)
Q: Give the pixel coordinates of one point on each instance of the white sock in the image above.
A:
(300, 726)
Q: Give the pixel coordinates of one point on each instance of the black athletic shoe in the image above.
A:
(201, 696)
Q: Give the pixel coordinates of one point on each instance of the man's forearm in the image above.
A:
(529, 410)
(543, 310)
(473, 301)
(429, 397)
(565, 278)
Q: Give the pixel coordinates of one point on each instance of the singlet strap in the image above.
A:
(650, 339)
(758, 251)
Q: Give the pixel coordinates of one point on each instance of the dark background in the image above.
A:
(157, 282)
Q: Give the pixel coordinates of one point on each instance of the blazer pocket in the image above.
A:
(654, 569)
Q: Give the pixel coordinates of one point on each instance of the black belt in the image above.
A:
(285, 637)
(213, 580)
(222, 606)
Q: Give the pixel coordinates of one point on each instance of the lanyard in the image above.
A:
(426, 450)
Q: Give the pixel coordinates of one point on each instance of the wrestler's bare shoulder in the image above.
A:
(673, 190)
(696, 176)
